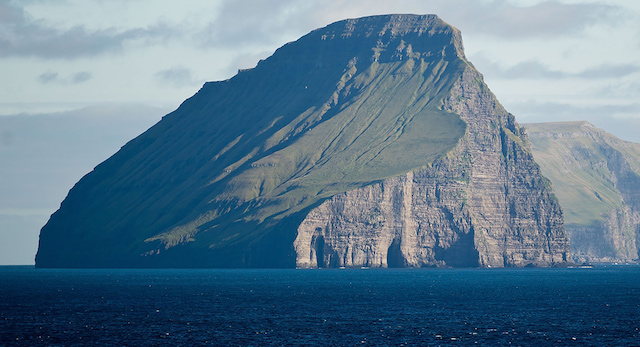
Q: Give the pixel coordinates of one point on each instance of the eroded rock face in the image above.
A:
(369, 142)
(484, 204)
(615, 240)
(597, 179)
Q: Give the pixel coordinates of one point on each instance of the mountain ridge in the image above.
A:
(227, 178)
(596, 177)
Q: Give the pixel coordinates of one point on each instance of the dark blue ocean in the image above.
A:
(543, 307)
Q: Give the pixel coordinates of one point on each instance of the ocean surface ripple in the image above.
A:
(556, 307)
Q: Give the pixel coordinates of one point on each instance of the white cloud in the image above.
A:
(544, 19)
(22, 36)
(178, 77)
(608, 71)
(50, 77)
(533, 69)
(80, 77)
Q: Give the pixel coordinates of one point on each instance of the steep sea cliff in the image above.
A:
(597, 179)
(370, 142)
(483, 204)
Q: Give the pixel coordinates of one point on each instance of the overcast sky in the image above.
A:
(545, 61)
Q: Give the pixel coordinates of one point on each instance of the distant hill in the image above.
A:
(369, 142)
(596, 176)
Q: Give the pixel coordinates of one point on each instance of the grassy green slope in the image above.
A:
(573, 155)
(387, 124)
(325, 114)
(388, 128)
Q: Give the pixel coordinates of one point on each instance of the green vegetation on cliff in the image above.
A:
(224, 179)
(596, 177)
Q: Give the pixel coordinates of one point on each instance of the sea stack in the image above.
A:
(371, 142)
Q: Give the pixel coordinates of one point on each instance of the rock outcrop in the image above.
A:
(484, 204)
(370, 142)
(597, 180)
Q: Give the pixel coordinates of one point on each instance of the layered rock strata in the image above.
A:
(370, 142)
(597, 179)
(484, 204)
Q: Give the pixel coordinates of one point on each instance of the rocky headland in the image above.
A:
(372, 142)
(596, 177)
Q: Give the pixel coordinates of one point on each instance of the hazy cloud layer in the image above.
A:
(241, 23)
(54, 78)
(560, 110)
(48, 77)
(620, 90)
(609, 71)
(80, 77)
(259, 22)
(533, 69)
(22, 36)
(177, 77)
(545, 19)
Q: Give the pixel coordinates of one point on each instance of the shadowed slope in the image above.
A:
(226, 178)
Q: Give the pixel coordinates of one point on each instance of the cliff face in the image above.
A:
(597, 179)
(370, 142)
(483, 204)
